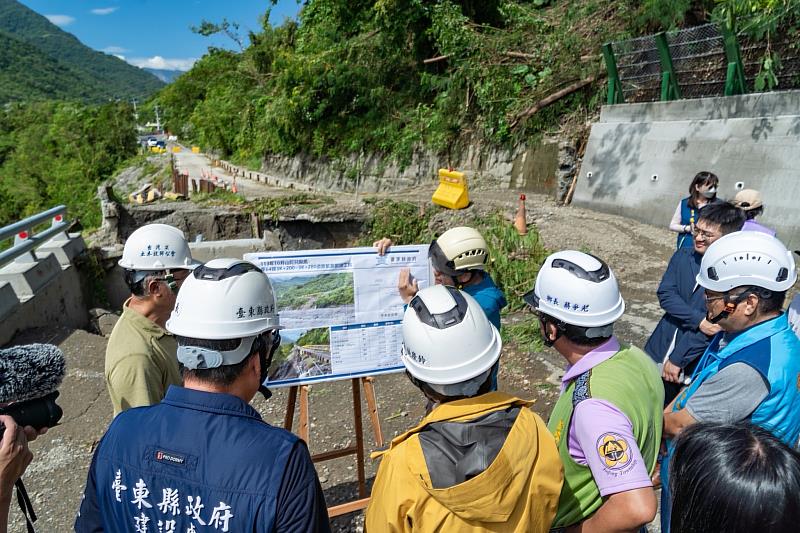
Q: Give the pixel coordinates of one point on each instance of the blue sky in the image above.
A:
(156, 33)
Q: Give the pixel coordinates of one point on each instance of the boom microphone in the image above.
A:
(29, 377)
(30, 371)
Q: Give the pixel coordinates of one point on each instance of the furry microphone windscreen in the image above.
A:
(30, 371)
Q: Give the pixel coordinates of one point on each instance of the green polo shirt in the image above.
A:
(141, 361)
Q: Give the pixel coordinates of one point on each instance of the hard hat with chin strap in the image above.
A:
(447, 338)
(578, 289)
(459, 250)
(747, 258)
(223, 299)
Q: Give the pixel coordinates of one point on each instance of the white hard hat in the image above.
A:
(747, 258)
(578, 289)
(157, 247)
(224, 299)
(458, 250)
(447, 338)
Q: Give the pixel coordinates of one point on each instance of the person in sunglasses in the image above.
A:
(202, 459)
(751, 370)
(140, 359)
(607, 422)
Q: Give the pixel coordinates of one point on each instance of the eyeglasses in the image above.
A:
(708, 298)
(697, 232)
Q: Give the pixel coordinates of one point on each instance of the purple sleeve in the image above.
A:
(601, 437)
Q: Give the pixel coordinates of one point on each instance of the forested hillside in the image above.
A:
(27, 73)
(358, 76)
(53, 153)
(41, 61)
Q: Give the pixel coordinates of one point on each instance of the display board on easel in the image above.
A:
(342, 313)
(340, 309)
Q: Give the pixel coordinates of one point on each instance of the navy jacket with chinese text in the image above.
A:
(200, 461)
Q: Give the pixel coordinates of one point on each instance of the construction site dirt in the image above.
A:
(637, 253)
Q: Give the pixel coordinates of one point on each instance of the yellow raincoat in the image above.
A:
(517, 492)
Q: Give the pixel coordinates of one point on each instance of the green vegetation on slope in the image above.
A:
(324, 290)
(40, 60)
(315, 336)
(403, 222)
(27, 73)
(360, 77)
(58, 153)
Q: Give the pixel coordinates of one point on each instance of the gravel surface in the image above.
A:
(637, 253)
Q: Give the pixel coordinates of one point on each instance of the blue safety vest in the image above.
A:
(773, 350)
(689, 216)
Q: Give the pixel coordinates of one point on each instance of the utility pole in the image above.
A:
(158, 119)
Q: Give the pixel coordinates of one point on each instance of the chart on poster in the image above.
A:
(340, 309)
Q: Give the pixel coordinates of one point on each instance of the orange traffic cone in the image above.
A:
(520, 220)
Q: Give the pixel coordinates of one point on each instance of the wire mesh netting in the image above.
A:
(787, 50)
(700, 63)
(639, 69)
(698, 58)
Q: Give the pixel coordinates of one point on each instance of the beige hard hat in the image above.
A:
(747, 199)
(458, 250)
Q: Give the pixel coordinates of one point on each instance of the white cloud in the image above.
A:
(114, 50)
(120, 56)
(162, 63)
(104, 10)
(60, 20)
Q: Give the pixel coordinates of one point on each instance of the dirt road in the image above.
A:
(637, 253)
(198, 166)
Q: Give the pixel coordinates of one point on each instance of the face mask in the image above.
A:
(708, 193)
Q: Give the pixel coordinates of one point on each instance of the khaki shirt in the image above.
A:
(141, 361)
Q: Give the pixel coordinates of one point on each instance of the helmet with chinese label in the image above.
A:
(578, 289)
(747, 258)
(157, 247)
(223, 299)
(447, 339)
(459, 250)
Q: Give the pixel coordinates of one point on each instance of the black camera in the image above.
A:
(40, 413)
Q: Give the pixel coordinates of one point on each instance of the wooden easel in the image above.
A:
(357, 449)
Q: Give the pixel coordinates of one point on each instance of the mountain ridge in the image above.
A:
(45, 62)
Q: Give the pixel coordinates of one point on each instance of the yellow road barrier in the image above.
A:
(452, 191)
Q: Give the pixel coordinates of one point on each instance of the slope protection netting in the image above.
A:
(700, 63)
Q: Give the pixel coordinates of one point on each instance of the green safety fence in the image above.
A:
(691, 63)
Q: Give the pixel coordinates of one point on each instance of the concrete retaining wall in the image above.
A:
(640, 158)
(43, 292)
(538, 167)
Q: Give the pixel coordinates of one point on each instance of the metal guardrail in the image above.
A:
(24, 239)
